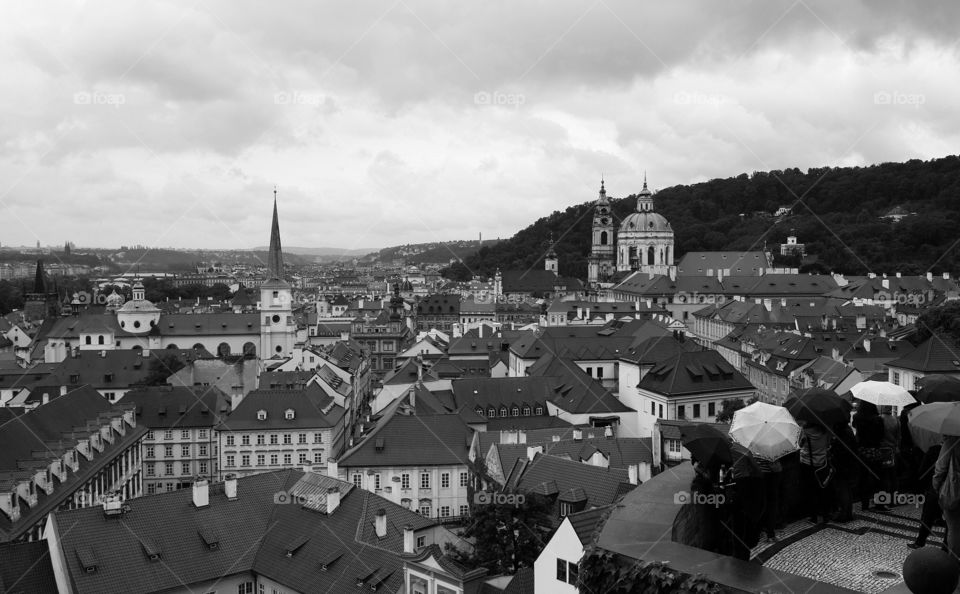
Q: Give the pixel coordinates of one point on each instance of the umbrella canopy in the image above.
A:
(882, 393)
(768, 431)
(938, 388)
(941, 418)
(924, 438)
(708, 445)
(819, 407)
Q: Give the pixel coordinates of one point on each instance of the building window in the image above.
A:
(444, 511)
(526, 411)
(202, 434)
(673, 446)
(599, 372)
(230, 440)
(302, 459)
(149, 453)
(245, 460)
(404, 481)
(273, 439)
(318, 438)
(696, 411)
(660, 410)
(590, 371)
(464, 510)
(711, 409)
(168, 434)
(150, 470)
(425, 510)
(168, 469)
(358, 480)
(538, 410)
(573, 572)
(168, 451)
(561, 570)
(261, 439)
(184, 451)
(287, 439)
(422, 540)
(149, 436)
(261, 459)
(896, 377)
(463, 479)
(184, 468)
(274, 459)
(444, 480)
(424, 480)
(203, 468)
(681, 411)
(318, 457)
(184, 434)
(231, 460)
(151, 488)
(244, 440)
(376, 482)
(492, 413)
(288, 459)
(203, 450)
(302, 438)
(653, 408)
(515, 411)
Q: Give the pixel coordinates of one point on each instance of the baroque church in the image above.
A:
(642, 242)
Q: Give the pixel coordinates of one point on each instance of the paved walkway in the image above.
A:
(866, 554)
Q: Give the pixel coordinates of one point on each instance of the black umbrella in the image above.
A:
(817, 406)
(938, 388)
(708, 445)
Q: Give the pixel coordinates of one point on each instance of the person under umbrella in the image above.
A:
(819, 407)
(815, 467)
(938, 388)
(869, 428)
(944, 418)
(707, 444)
(744, 502)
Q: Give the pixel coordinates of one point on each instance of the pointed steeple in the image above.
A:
(603, 192)
(275, 257)
(40, 280)
(645, 198)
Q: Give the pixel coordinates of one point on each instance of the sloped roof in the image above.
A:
(938, 354)
(599, 485)
(586, 523)
(694, 373)
(162, 407)
(285, 543)
(26, 567)
(407, 440)
(670, 429)
(741, 263)
(523, 582)
(120, 368)
(312, 409)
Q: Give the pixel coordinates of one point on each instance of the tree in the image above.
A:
(161, 368)
(458, 272)
(944, 320)
(728, 407)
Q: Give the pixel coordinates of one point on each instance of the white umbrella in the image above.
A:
(882, 393)
(769, 431)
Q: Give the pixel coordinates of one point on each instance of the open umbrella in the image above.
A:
(708, 445)
(938, 388)
(819, 407)
(941, 418)
(768, 431)
(882, 393)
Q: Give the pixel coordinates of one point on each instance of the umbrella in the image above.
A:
(941, 418)
(819, 407)
(938, 388)
(766, 430)
(924, 438)
(882, 393)
(708, 445)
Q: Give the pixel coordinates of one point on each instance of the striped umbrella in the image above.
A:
(768, 431)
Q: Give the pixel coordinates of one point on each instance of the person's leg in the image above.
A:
(928, 515)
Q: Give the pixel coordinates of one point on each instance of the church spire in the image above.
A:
(645, 198)
(275, 257)
(40, 280)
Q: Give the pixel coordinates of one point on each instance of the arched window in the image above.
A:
(223, 349)
(198, 346)
(100, 339)
(650, 255)
(88, 340)
(289, 414)
(603, 238)
(172, 346)
(249, 349)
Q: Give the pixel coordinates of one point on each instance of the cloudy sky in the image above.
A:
(389, 122)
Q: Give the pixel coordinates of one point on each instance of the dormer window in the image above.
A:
(492, 412)
(261, 415)
(288, 414)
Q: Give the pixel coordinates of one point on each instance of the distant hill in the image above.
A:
(838, 220)
(433, 253)
(322, 251)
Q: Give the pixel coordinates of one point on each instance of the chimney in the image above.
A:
(634, 472)
(783, 302)
(201, 493)
(577, 435)
(380, 523)
(230, 486)
(946, 276)
(46, 396)
(333, 499)
(532, 451)
(866, 344)
(929, 277)
(408, 540)
(63, 390)
(885, 283)
(767, 304)
(344, 336)
(898, 275)
(332, 469)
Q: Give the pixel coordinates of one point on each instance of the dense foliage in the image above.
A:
(944, 320)
(603, 571)
(835, 212)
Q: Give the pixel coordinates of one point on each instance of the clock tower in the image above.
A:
(600, 264)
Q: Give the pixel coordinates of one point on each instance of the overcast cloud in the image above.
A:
(168, 124)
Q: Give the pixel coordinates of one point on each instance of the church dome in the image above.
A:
(645, 221)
